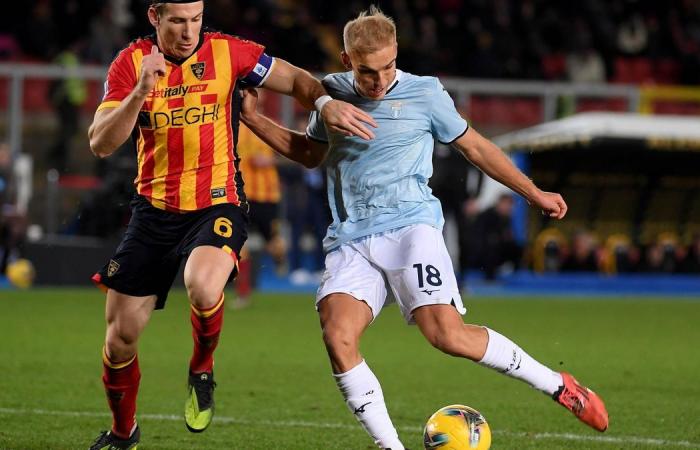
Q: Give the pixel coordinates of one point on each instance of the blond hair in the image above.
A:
(372, 30)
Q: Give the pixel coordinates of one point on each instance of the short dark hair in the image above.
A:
(159, 7)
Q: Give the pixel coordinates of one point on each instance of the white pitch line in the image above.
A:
(305, 424)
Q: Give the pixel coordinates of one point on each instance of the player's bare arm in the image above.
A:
(111, 127)
(493, 162)
(337, 115)
(291, 144)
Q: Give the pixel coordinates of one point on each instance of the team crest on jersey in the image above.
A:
(112, 267)
(198, 69)
(396, 108)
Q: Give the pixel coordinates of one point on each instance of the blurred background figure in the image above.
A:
(67, 95)
(468, 237)
(662, 255)
(5, 173)
(258, 165)
(601, 47)
(619, 255)
(583, 255)
(456, 184)
(549, 250)
(13, 223)
(498, 250)
(308, 215)
(691, 260)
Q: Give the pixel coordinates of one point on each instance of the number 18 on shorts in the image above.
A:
(409, 265)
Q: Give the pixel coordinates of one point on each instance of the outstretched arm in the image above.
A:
(288, 143)
(491, 160)
(337, 115)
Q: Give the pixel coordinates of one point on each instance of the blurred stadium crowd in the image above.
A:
(593, 41)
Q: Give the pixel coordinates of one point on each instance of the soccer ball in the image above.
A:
(457, 427)
(20, 273)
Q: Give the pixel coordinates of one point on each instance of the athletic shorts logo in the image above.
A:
(198, 69)
(218, 193)
(112, 267)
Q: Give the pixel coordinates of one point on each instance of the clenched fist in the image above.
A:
(152, 68)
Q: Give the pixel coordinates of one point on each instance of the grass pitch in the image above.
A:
(275, 389)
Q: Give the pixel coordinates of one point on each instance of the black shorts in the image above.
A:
(264, 217)
(149, 256)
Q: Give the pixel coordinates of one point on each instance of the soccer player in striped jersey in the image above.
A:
(176, 94)
(385, 243)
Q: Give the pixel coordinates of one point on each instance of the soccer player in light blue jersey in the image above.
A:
(385, 243)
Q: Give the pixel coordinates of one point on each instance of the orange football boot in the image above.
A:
(583, 402)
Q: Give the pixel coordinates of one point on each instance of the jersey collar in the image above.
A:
(178, 62)
(389, 89)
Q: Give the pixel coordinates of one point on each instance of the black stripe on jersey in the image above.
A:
(236, 103)
(392, 88)
(459, 136)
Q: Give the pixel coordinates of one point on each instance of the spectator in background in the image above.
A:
(632, 34)
(102, 209)
(499, 249)
(67, 95)
(691, 261)
(13, 224)
(309, 216)
(483, 62)
(585, 66)
(258, 165)
(659, 257)
(295, 38)
(106, 36)
(584, 63)
(37, 36)
(455, 183)
(684, 25)
(5, 171)
(583, 256)
(468, 239)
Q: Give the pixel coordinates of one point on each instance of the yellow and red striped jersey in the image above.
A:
(262, 183)
(187, 129)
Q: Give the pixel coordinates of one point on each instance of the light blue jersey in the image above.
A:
(377, 185)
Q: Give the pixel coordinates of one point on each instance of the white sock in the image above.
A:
(504, 355)
(364, 397)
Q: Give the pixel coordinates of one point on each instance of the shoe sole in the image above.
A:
(194, 430)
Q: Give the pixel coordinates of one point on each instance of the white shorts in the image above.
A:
(412, 260)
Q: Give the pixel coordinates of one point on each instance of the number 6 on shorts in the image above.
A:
(223, 227)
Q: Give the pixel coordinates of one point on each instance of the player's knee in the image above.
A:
(120, 343)
(339, 339)
(201, 292)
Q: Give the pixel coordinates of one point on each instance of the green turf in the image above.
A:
(275, 389)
